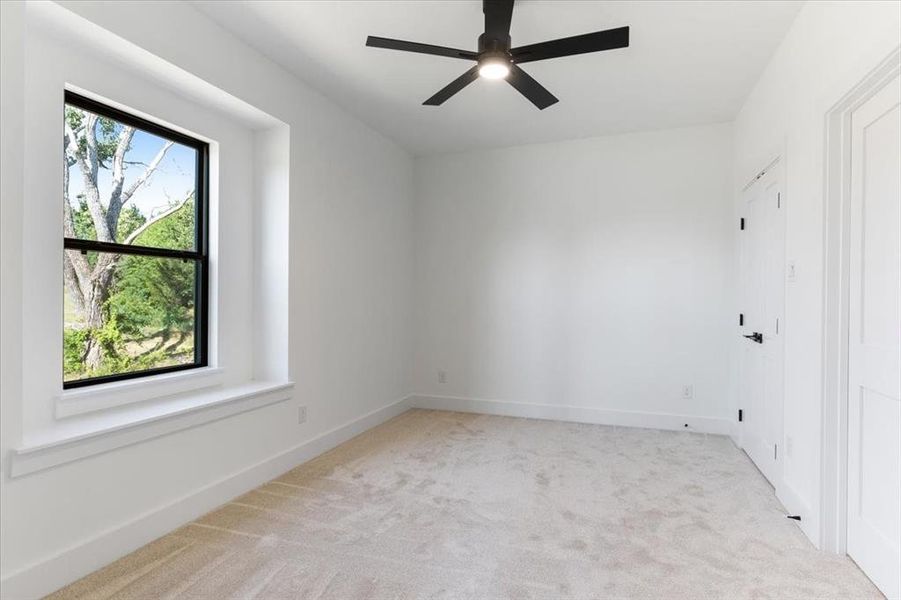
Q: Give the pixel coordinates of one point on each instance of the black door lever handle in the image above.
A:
(755, 337)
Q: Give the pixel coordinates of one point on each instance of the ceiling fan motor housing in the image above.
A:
(495, 44)
(494, 49)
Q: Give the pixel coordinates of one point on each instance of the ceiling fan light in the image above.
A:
(494, 69)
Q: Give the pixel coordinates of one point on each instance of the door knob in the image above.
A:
(756, 337)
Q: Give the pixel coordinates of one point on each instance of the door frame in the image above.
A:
(836, 293)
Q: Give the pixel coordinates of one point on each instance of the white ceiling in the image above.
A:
(689, 62)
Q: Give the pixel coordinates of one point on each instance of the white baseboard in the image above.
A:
(40, 579)
(577, 414)
(795, 505)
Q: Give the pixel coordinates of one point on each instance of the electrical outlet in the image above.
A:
(688, 391)
(301, 415)
(791, 270)
(442, 376)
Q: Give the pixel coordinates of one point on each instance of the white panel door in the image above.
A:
(762, 303)
(874, 344)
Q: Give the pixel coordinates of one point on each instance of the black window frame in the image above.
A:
(199, 256)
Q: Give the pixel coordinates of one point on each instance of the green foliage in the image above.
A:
(174, 231)
(116, 357)
(129, 220)
(84, 224)
(157, 292)
(74, 342)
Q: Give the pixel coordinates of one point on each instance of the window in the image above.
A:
(135, 246)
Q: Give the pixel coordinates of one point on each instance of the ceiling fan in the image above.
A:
(497, 60)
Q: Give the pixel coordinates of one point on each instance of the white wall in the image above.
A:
(12, 108)
(592, 273)
(349, 294)
(829, 48)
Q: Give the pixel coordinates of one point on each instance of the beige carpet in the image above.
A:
(449, 505)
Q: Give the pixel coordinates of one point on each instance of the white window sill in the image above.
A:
(79, 438)
(79, 401)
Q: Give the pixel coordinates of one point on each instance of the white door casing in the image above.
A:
(762, 305)
(874, 340)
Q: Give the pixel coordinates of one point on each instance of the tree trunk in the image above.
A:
(94, 356)
(101, 279)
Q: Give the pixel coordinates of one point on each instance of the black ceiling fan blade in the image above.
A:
(453, 87)
(391, 44)
(531, 89)
(498, 14)
(580, 44)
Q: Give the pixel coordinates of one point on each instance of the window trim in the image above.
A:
(199, 256)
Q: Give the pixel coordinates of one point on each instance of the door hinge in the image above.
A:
(777, 325)
(740, 415)
(775, 451)
(778, 199)
(741, 319)
(741, 224)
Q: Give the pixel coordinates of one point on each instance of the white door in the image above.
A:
(762, 305)
(874, 344)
